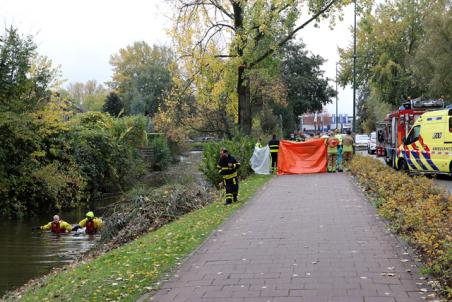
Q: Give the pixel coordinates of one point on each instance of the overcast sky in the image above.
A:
(81, 35)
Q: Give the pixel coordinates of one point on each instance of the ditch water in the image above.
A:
(27, 254)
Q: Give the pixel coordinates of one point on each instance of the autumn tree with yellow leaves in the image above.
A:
(222, 45)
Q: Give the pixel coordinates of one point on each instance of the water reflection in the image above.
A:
(25, 254)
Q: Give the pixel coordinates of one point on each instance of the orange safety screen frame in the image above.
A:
(302, 158)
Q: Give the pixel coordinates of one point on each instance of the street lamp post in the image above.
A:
(354, 72)
(336, 98)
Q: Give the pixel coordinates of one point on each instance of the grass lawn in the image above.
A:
(124, 274)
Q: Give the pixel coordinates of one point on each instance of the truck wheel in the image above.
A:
(388, 160)
(403, 166)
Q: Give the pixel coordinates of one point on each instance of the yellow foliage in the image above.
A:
(415, 207)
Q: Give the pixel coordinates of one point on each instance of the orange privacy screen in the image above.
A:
(302, 158)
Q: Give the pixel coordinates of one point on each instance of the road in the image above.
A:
(442, 180)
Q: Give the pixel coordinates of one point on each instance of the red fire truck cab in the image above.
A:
(397, 124)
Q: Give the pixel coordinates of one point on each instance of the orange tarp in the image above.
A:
(302, 158)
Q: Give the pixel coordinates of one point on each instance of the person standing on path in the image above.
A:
(274, 149)
(347, 151)
(228, 167)
(331, 142)
(339, 149)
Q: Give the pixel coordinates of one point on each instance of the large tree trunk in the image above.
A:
(244, 106)
(243, 81)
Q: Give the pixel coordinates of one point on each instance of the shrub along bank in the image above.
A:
(127, 272)
(416, 208)
(52, 159)
(51, 155)
(241, 148)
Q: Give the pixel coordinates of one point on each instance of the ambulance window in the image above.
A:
(450, 124)
(414, 135)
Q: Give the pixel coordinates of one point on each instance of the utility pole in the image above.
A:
(354, 73)
(336, 98)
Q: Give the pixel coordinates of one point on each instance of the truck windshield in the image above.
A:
(414, 135)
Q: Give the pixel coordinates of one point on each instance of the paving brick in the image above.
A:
(379, 299)
(346, 299)
(302, 238)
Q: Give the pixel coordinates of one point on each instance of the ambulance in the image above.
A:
(428, 146)
(397, 124)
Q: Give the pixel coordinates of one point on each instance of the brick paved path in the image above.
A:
(302, 238)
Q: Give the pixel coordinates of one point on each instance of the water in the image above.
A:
(26, 254)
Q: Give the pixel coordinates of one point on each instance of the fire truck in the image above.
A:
(397, 124)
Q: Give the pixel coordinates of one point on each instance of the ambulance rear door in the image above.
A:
(435, 155)
(446, 147)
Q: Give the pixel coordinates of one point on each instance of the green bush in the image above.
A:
(105, 150)
(241, 147)
(47, 163)
(36, 168)
(131, 130)
(161, 150)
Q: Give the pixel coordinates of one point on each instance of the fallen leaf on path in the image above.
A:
(388, 274)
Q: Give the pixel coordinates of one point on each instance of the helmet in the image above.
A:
(56, 218)
(90, 214)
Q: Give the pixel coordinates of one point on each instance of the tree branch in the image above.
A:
(225, 56)
(290, 35)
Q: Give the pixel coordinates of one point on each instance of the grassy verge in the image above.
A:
(135, 268)
(417, 209)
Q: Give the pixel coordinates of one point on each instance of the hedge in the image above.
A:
(416, 208)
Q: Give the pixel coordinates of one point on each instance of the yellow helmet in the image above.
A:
(90, 214)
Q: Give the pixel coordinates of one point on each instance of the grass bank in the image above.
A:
(129, 271)
(417, 209)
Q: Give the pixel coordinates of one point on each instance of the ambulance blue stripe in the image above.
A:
(428, 159)
(418, 160)
(408, 160)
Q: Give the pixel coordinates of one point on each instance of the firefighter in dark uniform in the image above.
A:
(274, 148)
(228, 166)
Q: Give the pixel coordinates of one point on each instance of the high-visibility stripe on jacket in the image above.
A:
(224, 169)
(273, 145)
(229, 176)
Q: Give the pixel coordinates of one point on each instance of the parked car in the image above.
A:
(361, 141)
(372, 145)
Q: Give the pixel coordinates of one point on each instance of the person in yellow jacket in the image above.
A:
(339, 136)
(258, 143)
(347, 149)
(332, 142)
(92, 224)
(56, 226)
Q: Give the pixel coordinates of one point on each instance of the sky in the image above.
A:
(80, 36)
